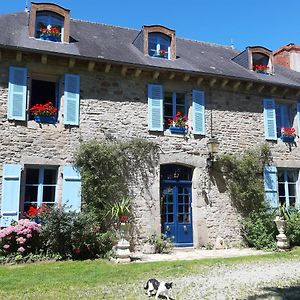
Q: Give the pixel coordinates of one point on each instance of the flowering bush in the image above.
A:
(290, 132)
(179, 121)
(261, 68)
(21, 238)
(46, 110)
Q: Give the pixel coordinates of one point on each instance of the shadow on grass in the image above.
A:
(276, 293)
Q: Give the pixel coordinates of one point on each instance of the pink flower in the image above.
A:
(21, 249)
(6, 246)
(21, 240)
(29, 235)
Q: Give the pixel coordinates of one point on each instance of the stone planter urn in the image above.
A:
(123, 246)
(282, 240)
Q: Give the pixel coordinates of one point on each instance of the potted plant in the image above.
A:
(288, 134)
(261, 68)
(120, 213)
(44, 113)
(178, 124)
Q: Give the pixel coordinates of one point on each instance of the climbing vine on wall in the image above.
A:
(108, 168)
(244, 178)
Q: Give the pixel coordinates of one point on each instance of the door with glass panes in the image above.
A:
(176, 204)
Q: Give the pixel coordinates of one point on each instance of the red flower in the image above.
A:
(123, 218)
(179, 121)
(43, 109)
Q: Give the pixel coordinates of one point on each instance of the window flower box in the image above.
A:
(288, 135)
(178, 130)
(263, 69)
(45, 119)
(178, 124)
(44, 113)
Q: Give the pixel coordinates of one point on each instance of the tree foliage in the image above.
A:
(109, 168)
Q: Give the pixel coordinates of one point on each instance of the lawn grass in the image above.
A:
(100, 279)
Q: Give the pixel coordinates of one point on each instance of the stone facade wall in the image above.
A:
(116, 105)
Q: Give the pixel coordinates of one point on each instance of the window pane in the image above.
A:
(48, 194)
(292, 201)
(280, 176)
(31, 193)
(187, 218)
(291, 176)
(168, 110)
(281, 189)
(282, 200)
(180, 218)
(180, 99)
(292, 189)
(32, 176)
(50, 176)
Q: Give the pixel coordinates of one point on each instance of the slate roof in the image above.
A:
(115, 44)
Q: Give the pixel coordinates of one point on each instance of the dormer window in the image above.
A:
(157, 41)
(258, 59)
(49, 26)
(49, 22)
(261, 60)
(159, 45)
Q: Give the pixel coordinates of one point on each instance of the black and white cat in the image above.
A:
(161, 288)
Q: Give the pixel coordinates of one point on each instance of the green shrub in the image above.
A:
(293, 228)
(259, 230)
(161, 242)
(243, 178)
(74, 235)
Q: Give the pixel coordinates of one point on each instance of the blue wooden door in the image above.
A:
(176, 209)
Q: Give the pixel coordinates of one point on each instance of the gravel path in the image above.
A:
(275, 279)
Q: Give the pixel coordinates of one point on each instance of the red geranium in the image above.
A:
(179, 121)
(262, 68)
(46, 110)
(123, 218)
(288, 132)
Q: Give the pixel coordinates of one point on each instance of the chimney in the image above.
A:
(288, 56)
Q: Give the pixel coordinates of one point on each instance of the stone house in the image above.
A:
(107, 80)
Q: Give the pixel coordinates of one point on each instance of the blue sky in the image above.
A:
(247, 23)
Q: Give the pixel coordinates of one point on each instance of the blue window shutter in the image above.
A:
(198, 112)
(270, 119)
(17, 93)
(271, 186)
(155, 107)
(71, 99)
(71, 195)
(10, 194)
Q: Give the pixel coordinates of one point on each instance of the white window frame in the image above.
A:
(40, 185)
(286, 187)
